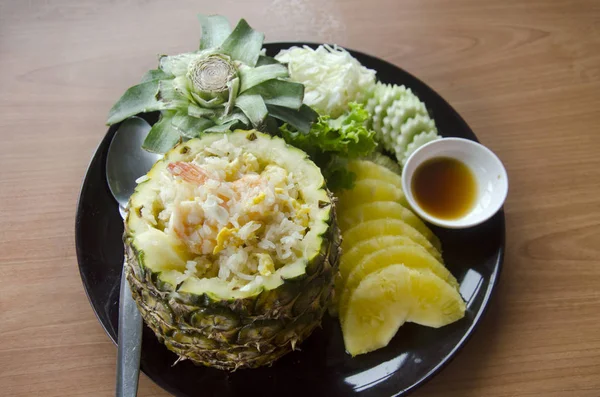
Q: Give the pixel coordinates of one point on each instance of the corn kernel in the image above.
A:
(266, 267)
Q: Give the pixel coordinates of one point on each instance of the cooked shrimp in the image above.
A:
(188, 172)
(247, 182)
(192, 229)
(180, 224)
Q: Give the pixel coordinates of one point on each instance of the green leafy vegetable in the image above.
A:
(330, 140)
(346, 135)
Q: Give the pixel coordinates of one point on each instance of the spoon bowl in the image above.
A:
(126, 160)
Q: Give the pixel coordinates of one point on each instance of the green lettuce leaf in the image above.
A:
(330, 141)
(346, 136)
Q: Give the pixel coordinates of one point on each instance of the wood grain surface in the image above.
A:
(524, 74)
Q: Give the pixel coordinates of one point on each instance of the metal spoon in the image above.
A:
(126, 161)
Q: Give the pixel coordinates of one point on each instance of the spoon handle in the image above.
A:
(130, 342)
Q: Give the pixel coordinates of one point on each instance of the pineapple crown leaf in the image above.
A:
(215, 29)
(244, 44)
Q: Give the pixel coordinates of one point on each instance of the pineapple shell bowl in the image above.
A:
(278, 332)
(231, 248)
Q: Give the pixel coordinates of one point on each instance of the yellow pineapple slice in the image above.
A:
(385, 209)
(386, 227)
(351, 258)
(388, 298)
(368, 191)
(412, 256)
(365, 169)
(354, 255)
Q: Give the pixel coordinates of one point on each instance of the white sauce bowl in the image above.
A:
(489, 173)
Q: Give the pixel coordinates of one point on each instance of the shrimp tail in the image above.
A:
(188, 172)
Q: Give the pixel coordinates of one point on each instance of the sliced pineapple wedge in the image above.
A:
(386, 227)
(354, 255)
(412, 256)
(366, 169)
(385, 210)
(388, 298)
(351, 258)
(368, 191)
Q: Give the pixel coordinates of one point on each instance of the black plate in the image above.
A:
(321, 367)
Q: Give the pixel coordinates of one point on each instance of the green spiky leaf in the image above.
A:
(233, 88)
(155, 74)
(176, 65)
(181, 86)
(210, 104)
(220, 128)
(215, 29)
(301, 119)
(170, 96)
(238, 115)
(279, 92)
(244, 43)
(140, 98)
(196, 111)
(270, 126)
(253, 107)
(266, 60)
(163, 135)
(251, 77)
(190, 127)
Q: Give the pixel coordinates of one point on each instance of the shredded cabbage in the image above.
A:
(332, 77)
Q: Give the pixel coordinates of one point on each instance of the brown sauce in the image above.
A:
(444, 188)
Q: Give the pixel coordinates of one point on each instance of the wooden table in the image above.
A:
(524, 74)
